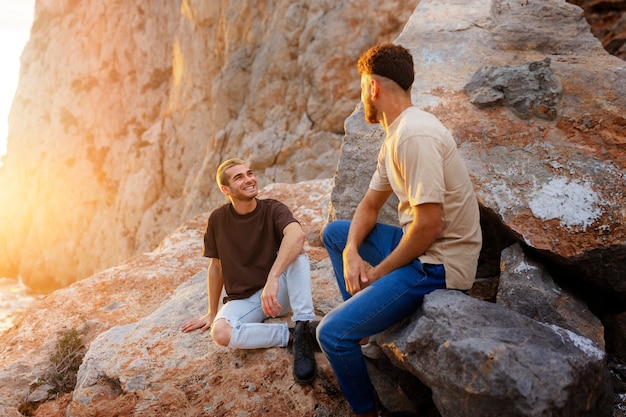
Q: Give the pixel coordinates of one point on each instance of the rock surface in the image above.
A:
(503, 363)
(527, 288)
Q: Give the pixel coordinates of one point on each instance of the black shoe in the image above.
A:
(304, 366)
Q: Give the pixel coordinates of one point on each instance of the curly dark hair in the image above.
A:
(391, 61)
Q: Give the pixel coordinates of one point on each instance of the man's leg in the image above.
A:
(243, 319)
(295, 289)
(370, 311)
(377, 246)
(295, 285)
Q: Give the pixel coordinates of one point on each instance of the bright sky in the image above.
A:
(16, 19)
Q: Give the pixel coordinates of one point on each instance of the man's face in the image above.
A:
(241, 184)
(371, 112)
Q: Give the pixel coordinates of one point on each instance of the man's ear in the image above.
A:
(374, 88)
(225, 189)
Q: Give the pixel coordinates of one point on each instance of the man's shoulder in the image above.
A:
(220, 211)
(423, 118)
(271, 202)
(275, 208)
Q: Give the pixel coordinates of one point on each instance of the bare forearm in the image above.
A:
(363, 222)
(419, 236)
(215, 283)
(291, 247)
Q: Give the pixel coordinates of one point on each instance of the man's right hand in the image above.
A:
(354, 271)
(203, 323)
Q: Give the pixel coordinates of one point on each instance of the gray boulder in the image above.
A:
(481, 359)
(526, 287)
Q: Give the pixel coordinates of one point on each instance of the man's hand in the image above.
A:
(203, 323)
(269, 299)
(354, 271)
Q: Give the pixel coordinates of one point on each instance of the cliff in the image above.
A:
(124, 109)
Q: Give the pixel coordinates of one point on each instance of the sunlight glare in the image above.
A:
(16, 18)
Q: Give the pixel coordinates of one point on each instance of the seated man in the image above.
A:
(256, 251)
(437, 245)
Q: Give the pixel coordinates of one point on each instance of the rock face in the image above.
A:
(525, 286)
(125, 108)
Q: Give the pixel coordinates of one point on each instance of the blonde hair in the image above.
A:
(220, 175)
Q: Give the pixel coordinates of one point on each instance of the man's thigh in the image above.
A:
(247, 310)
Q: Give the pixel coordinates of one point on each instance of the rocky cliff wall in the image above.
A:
(125, 108)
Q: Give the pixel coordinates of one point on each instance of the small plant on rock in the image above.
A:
(64, 362)
(60, 377)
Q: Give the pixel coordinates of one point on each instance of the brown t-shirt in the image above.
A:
(246, 245)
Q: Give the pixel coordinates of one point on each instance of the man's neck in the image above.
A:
(392, 112)
(244, 206)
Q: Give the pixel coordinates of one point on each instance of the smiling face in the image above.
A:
(241, 184)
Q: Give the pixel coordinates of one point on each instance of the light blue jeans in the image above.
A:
(370, 311)
(246, 316)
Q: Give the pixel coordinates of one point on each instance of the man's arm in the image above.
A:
(363, 222)
(215, 284)
(291, 247)
(419, 236)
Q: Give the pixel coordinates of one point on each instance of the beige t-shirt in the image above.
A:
(419, 161)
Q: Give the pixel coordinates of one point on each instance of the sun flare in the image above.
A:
(16, 18)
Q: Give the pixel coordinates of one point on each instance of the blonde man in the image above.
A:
(256, 254)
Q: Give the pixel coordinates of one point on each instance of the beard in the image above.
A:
(371, 112)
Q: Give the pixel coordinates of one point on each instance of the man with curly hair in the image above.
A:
(384, 271)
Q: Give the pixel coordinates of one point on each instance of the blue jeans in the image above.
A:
(372, 310)
(246, 316)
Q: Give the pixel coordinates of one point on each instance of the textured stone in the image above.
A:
(481, 359)
(528, 90)
(527, 288)
(152, 359)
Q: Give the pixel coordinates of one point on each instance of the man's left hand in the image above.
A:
(269, 299)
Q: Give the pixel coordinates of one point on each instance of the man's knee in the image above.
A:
(324, 334)
(221, 332)
(333, 228)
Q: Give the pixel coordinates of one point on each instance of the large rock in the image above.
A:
(481, 359)
(124, 109)
(150, 365)
(555, 183)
